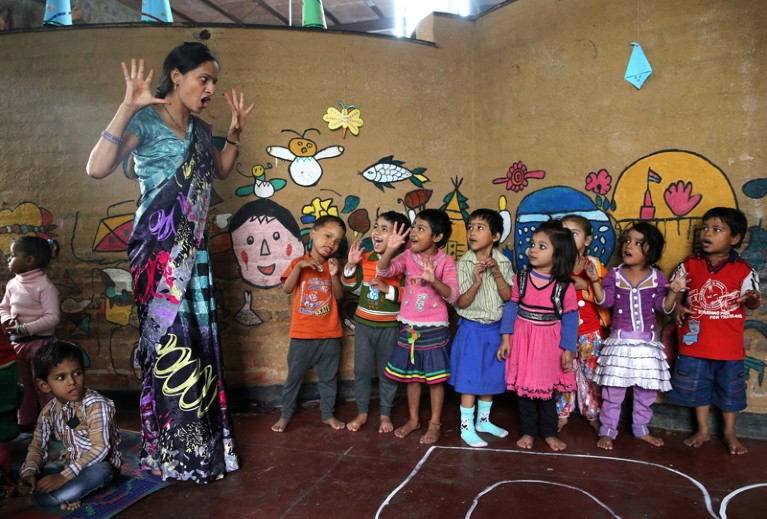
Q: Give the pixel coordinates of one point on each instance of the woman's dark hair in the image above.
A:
(565, 251)
(653, 242)
(734, 219)
(39, 248)
(396, 220)
(439, 222)
(493, 220)
(53, 354)
(187, 56)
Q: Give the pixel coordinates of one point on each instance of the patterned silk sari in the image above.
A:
(187, 432)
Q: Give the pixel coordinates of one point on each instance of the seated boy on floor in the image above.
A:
(79, 417)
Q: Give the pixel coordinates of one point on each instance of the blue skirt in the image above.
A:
(474, 367)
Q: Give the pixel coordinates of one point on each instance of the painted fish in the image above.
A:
(388, 170)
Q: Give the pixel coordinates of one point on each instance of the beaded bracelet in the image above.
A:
(114, 139)
(233, 143)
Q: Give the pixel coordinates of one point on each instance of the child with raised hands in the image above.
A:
(633, 356)
(315, 326)
(376, 327)
(431, 284)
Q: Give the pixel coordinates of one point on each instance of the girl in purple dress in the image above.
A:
(633, 356)
(539, 330)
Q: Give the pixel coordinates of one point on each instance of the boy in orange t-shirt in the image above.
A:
(315, 326)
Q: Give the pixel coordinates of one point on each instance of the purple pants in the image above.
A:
(612, 398)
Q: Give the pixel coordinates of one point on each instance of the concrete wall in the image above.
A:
(535, 87)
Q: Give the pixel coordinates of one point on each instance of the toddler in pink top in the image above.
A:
(30, 312)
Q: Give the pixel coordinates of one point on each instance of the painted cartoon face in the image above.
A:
(301, 147)
(422, 238)
(380, 236)
(716, 237)
(326, 240)
(479, 235)
(541, 252)
(634, 248)
(264, 249)
(581, 240)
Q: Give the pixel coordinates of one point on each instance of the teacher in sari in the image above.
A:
(186, 427)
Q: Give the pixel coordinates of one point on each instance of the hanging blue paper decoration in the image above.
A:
(639, 68)
(57, 13)
(156, 11)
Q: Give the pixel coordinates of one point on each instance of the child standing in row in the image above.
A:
(709, 368)
(484, 280)
(587, 395)
(315, 325)
(539, 330)
(633, 356)
(431, 284)
(376, 328)
(30, 313)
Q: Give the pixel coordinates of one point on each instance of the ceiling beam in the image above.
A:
(222, 11)
(380, 25)
(273, 11)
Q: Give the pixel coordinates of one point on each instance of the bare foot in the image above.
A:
(281, 425)
(156, 472)
(561, 423)
(652, 440)
(555, 443)
(335, 423)
(432, 433)
(406, 429)
(697, 439)
(70, 506)
(385, 426)
(526, 442)
(734, 445)
(605, 442)
(358, 422)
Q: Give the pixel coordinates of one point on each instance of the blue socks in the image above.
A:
(468, 434)
(483, 420)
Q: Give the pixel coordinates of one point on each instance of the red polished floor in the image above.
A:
(311, 471)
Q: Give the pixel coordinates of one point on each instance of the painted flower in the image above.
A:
(320, 207)
(600, 183)
(516, 177)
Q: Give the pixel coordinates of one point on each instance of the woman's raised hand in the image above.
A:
(138, 93)
(239, 113)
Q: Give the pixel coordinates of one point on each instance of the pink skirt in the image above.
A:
(534, 367)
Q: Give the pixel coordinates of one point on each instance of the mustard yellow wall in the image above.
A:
(536, 84)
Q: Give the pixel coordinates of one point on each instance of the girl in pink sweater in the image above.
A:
(431, 284)
(30, 312)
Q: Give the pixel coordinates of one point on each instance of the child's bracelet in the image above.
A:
(114, 139)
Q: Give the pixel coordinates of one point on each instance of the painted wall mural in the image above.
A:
(349, 118)
(305, 169)
(261, 187)
(265, 239)
(26, 219)
(556, 202)
(387, 171)
(671, 189)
